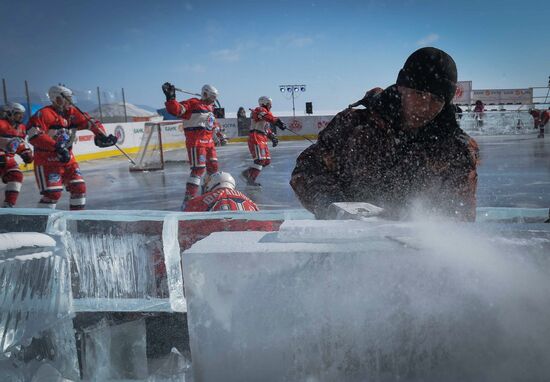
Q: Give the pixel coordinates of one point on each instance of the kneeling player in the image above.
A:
(220, 195)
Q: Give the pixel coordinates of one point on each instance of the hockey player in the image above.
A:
(52, 132)
(198, 125)
(540, 118)
(12, 141)
(260, 132)
(220, 195)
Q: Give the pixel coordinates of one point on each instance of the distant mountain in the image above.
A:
(148, 108)
(117, 110)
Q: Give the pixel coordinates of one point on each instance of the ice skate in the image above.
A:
(249, 181)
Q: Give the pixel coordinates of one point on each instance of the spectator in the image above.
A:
(479, 108)
(458, 111)
(540, 119)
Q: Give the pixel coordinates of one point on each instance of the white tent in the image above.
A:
(117, 110)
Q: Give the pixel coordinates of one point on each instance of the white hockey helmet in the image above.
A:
(209, 93)
(13, 107)
(265, 101)
(59, 91)
(219, 180)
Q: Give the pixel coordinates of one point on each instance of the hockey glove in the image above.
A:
(169, 91)
(105, 140)
(63, 154)
(223, 142)
(27, 156)
(274, 140)
(280, 124)
(61, 142)
(13, 145)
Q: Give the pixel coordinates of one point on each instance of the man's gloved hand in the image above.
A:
(280, 124)
(274, 140)
(169, 91)
(13, 145)
(27, 156)
(61, 142)
(101, 140)
(223, 141)
(63, 154)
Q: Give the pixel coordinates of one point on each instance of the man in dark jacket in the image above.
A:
(404, 149)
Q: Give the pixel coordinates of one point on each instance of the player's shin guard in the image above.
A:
(193, 183)
(212, 166)
(49, 199)
(254, 170)
(14, 180)
(77, 188)
(77, 202)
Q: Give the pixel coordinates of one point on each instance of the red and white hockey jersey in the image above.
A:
(7, 133)
(198, 120)
(45, 126)
(221, 199)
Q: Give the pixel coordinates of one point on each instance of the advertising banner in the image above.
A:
(504, 96)
(463, 94)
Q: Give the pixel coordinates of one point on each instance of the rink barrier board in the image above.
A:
(299, 128)
(106, 154)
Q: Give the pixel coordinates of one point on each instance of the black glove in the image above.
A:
(63, 154)
(27, 156)
(274, 140)
(280, 124)
(105, 140)
(223, 142)
(2, 161)
(169, 91)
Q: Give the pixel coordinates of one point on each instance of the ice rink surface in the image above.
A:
(514, 172)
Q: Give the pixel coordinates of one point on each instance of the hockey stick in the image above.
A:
(92, 122)
(292, 131)
(303, 136)
(195, 94)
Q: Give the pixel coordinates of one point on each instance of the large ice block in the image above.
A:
(36, 308)
(114, 351)
(35, 286)
(421, 301)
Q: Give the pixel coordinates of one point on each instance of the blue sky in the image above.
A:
(339, 49)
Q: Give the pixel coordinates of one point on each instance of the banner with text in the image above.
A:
(463, 94)
(504, 96)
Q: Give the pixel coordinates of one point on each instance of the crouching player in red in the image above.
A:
(198, 126)
(220, 195)
(260, 132)
(12, 141)
(52, 132)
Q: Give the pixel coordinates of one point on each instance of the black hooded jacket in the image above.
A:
(366, 156)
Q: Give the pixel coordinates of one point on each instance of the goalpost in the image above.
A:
(162, 142)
